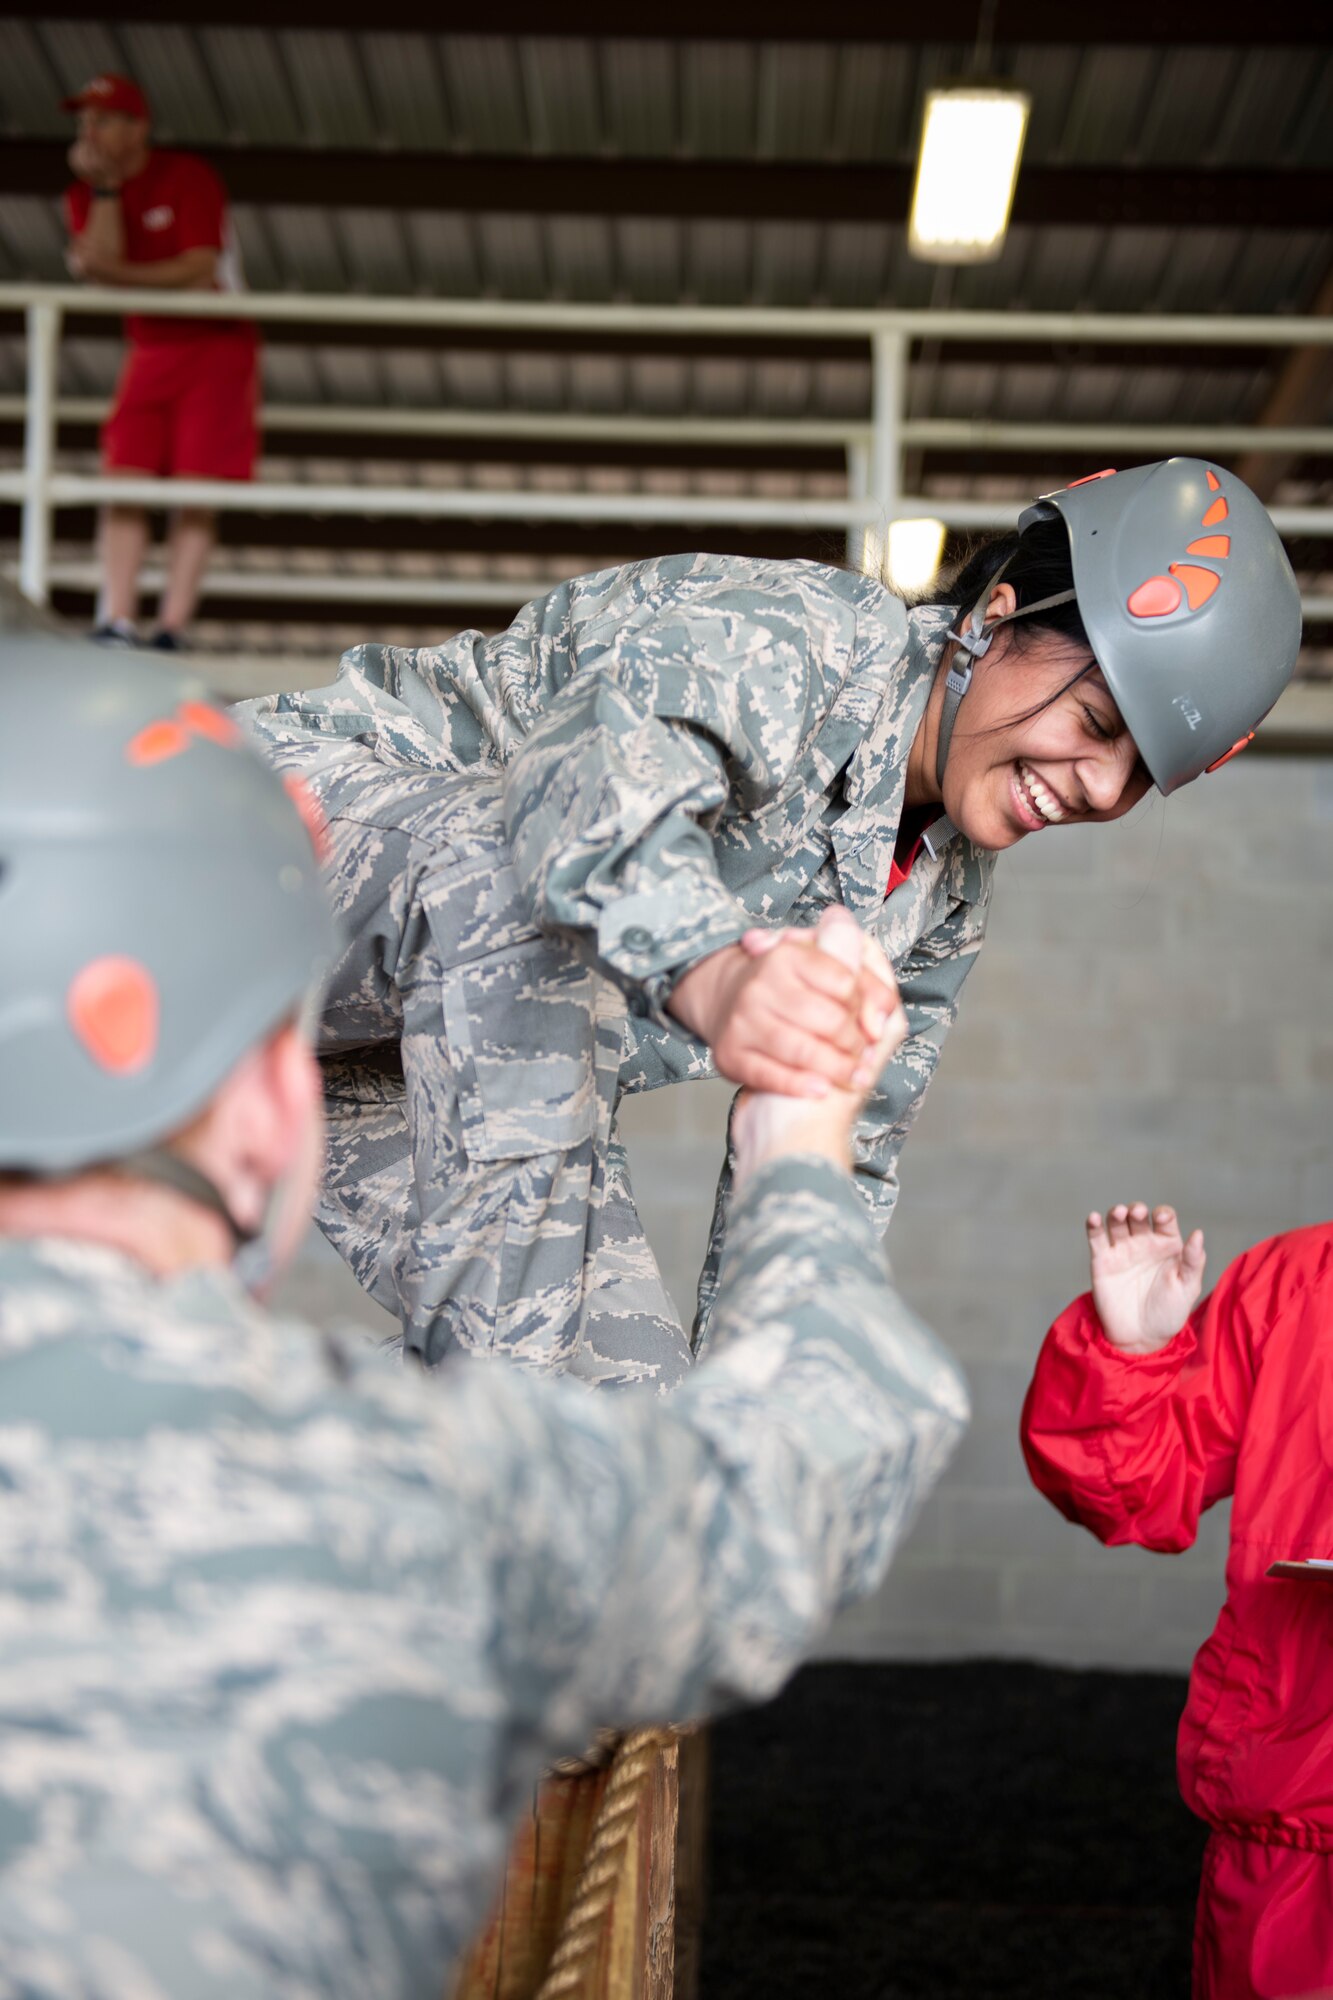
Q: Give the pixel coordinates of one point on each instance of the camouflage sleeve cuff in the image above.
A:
(647, 941)
(835, 1230)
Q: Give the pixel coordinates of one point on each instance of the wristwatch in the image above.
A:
(105, 194)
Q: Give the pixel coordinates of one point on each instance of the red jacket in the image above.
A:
(1135, 1447)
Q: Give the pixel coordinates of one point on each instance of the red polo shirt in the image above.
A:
(176, 204)
(911, 833)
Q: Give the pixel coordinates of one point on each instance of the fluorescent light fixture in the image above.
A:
(971, 144)
(915, 548)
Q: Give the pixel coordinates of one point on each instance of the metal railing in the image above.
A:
(875, 451)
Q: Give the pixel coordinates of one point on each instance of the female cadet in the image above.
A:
(551, 849)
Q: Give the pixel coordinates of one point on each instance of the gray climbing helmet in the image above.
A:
(161, 909)
(1189, 604)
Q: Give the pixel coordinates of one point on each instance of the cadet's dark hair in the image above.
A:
(1040, 565)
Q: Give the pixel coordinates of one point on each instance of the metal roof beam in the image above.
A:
(571, 545)
(1085, 350)
(1134, 23)
(386, 592)
(751, 190)
(413, 448)
(593, 437)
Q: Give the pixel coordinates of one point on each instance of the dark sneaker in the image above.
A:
(167, 642)
(119, 632)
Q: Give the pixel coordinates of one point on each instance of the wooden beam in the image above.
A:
(1046, 23)
(1300, 395)
(753, 190)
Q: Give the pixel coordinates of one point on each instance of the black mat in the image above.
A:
(978, 1829)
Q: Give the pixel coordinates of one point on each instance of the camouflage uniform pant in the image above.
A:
(474, 1182)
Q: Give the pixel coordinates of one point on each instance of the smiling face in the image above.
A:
(1070, 761)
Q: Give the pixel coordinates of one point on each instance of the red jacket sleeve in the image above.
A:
(1135, 1447)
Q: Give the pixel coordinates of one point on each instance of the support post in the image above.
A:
(39, 451)
(888, 353)
(858, 488)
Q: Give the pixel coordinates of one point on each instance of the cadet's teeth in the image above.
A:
(1045, 802)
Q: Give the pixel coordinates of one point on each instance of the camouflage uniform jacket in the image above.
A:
(287, 1633)
(690, 747)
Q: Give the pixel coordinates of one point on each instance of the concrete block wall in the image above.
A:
(1152, 1014)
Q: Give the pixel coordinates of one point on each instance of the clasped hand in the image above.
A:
(781, 1016)
(83, 262)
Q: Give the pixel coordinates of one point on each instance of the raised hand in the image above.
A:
(1145, 1280)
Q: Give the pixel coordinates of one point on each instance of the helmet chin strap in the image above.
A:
(168, 1170)
(253, 1255)
(971, 642)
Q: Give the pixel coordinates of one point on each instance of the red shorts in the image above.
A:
(186, 409)
(1265, 1924)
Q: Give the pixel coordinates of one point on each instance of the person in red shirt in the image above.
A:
(187, 399)
(1145, 1409)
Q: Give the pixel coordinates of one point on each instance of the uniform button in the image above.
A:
(636, 938)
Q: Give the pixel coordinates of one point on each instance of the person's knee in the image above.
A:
(196, 520)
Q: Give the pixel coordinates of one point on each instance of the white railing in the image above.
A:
(875, 452)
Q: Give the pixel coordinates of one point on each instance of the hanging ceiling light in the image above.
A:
(971, 143)
(914, 552)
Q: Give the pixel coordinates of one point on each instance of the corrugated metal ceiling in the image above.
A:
(244, 86)
(1185, 107)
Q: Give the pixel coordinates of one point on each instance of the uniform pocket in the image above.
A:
(522, 1027)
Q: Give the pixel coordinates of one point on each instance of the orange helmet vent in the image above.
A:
(113, 1009)
(312, 817)
(1211, 545)
(157, 741)
(1217, 512)
(1227, 755)
(1156, 598)
(1213, 481)
(202, 720)
(1199, 583)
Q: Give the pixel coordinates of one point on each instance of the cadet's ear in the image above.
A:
(294, 1082)
(1003, 602)
(263, 1123)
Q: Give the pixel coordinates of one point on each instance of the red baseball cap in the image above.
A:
(109, 93)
